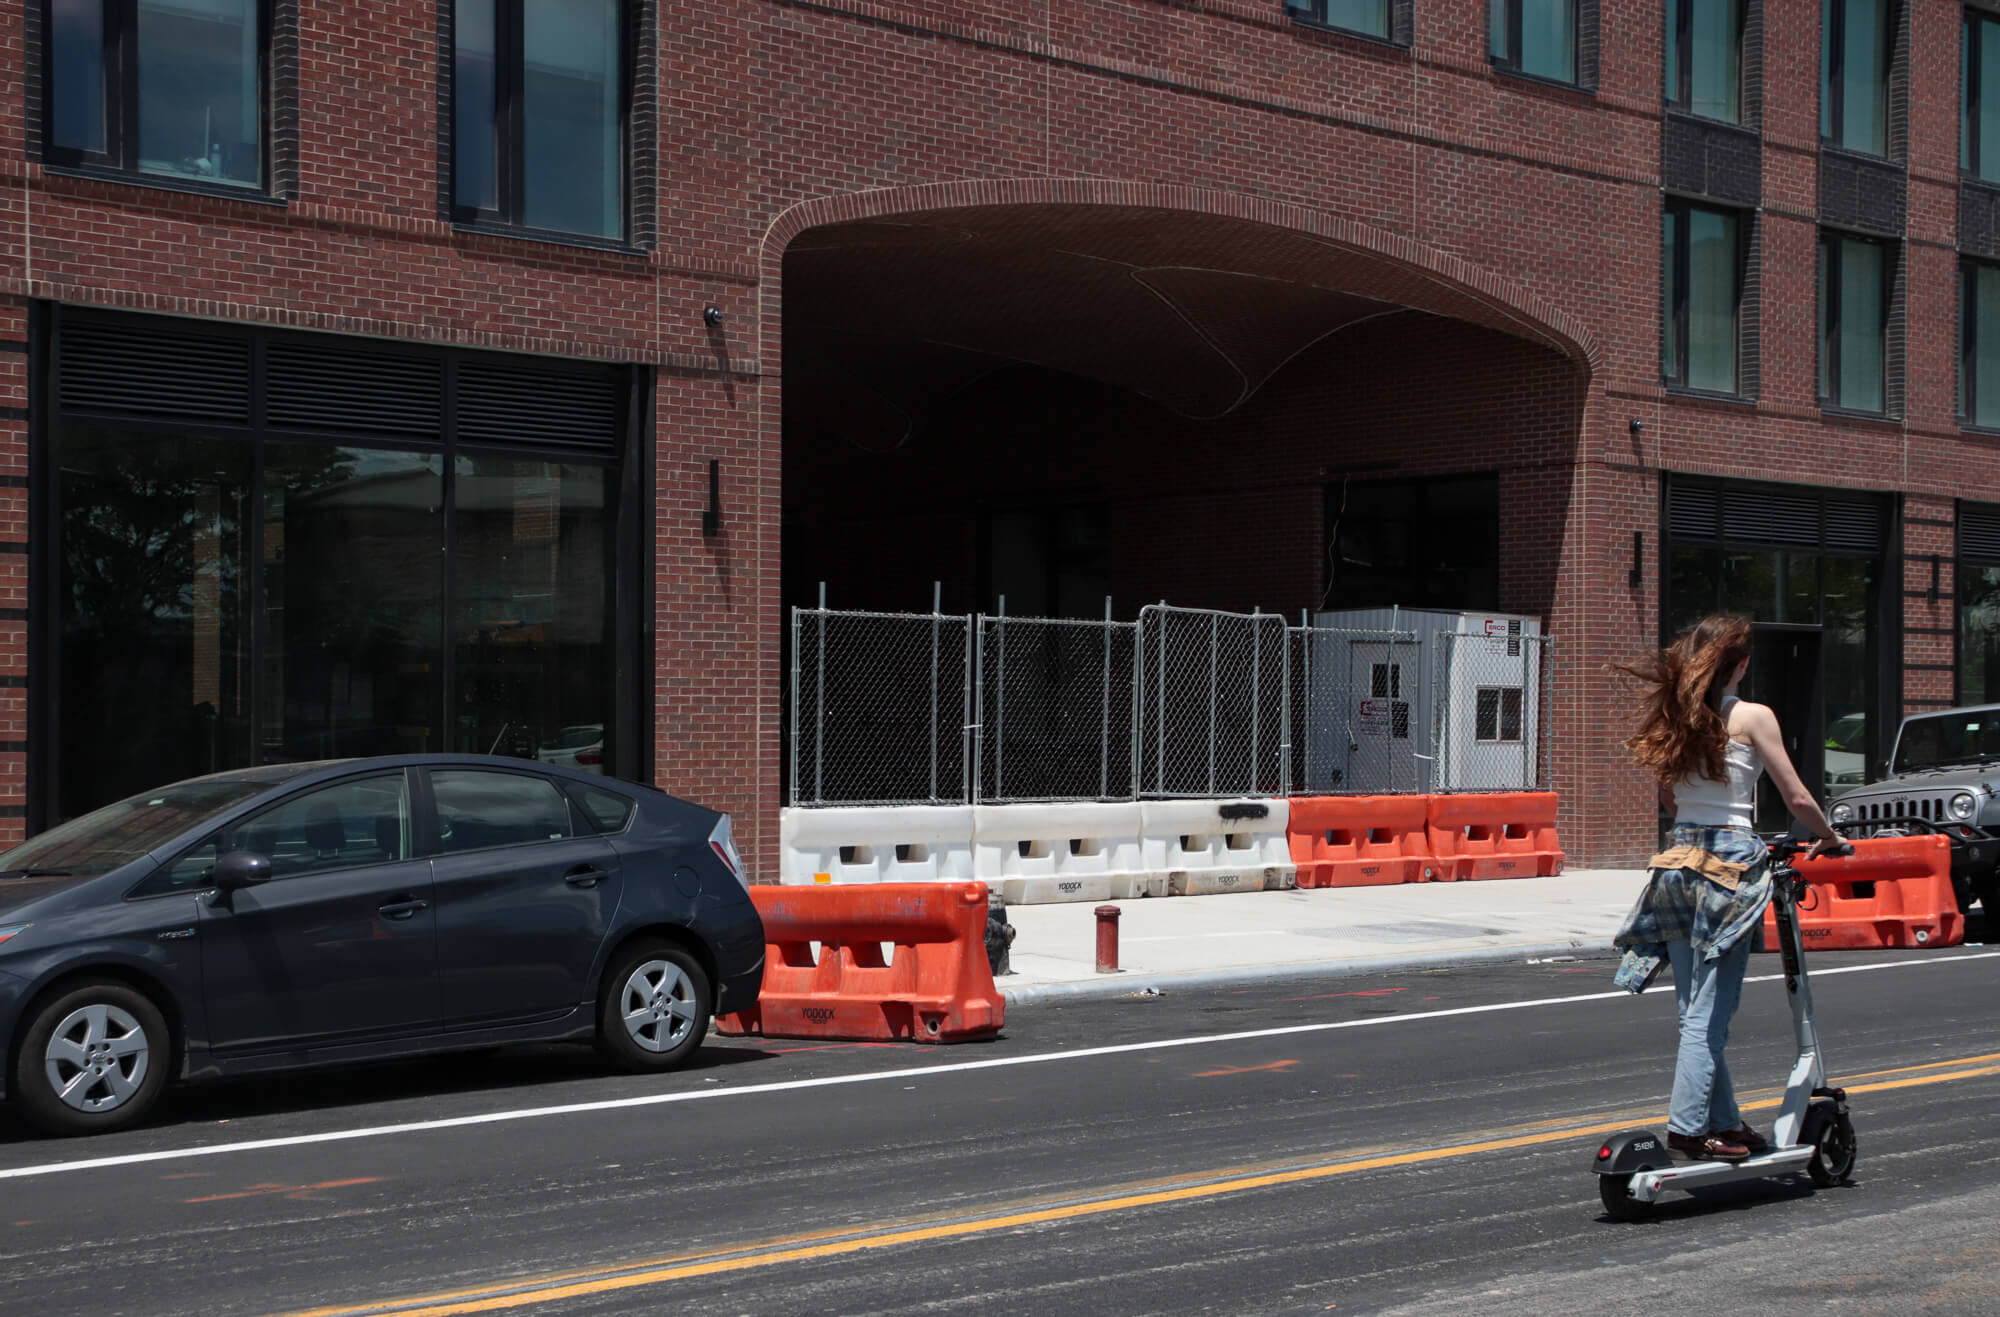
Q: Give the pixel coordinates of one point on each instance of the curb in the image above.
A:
(1135, 984)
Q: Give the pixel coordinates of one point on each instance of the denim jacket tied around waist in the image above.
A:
(1709, 886)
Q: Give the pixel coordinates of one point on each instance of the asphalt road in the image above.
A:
(1407, 1143)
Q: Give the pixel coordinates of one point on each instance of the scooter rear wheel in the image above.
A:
(1616, 1191)
(1833, 1158)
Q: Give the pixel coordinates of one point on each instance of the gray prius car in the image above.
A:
(313, 914)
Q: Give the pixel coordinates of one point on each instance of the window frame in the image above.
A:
(1510, 63)
(433, 822)
(1674, 295)
(120, 71)
(1968, 342)
(1971, 93)
(1679, 93)
(1313, 14)
(1830, 289)
(1500, 694)
(510, 129)
(1833, 71)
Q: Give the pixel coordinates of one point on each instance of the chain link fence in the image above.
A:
(935, 708)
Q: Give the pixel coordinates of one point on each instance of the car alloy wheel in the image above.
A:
(96, 1059)
(658, 1005)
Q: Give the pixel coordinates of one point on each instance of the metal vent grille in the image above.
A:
(1764, 516)
(319, 387)
(1694, 512)
(1854, 526)
(1979, 532)
(507, 404)
(136, 369)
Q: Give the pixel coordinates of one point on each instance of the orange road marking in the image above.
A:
(289, 1190)
(1243, 1069)
(1369, 992)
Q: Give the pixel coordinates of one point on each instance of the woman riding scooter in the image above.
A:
(1708, 889)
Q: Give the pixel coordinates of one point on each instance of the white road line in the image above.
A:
(882, 1076)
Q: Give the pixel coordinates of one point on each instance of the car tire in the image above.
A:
(653, 1010)
(94, 1058)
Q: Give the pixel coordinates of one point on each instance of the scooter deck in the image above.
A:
(1649, 1186)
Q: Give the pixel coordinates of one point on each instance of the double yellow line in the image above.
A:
(771, 1253)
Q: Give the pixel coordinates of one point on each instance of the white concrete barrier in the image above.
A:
(1038, 854)
(877, 844)
(1210, 846)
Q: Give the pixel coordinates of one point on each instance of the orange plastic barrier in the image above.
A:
(935, 987)
(1502, 834)
(1893, 892)
(1360, 841)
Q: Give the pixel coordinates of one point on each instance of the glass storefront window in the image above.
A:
(201, 90)
(153, 602)
(530, 663)
(1978, 634)
(354, 585)
(1847, 655)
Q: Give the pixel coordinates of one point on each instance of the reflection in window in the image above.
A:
(1536, 37)
(1368, 17)
(1979, 633)
(341, 826)
(1979, 126)
(152, 603)
(477, 809)
(1979, 344)
(171, 88)
(353, 581)
(1703, 250)
(531, 668)
(538, 114)
(1432, 543)
(1853, 322)
(1704, 72)
(1854, 74)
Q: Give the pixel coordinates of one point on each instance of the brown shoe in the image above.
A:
(1707, 1147)
(1749, 1138)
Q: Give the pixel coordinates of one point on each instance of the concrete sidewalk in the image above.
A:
(1189, 941)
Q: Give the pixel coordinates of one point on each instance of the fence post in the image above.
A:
(795, 705)
(937, 621)
(1395, 692)
(1000, 708)
(1104, 723)
(967, 727)
(976, 641)
(1160, 714)
(1214, 644)
(1256, 689)
(819, 707)
(1138, 703)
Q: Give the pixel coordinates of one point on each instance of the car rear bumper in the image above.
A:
(13, 999)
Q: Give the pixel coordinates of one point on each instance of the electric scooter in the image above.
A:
(1813, 1132)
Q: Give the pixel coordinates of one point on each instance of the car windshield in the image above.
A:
(575, 738)
(1938, 740)
(103, 839)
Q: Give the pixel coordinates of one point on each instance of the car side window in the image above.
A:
(341, 826)
(600, 811)
(478, 808)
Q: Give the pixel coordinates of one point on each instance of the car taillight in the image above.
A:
(723, 842)
(594, 755)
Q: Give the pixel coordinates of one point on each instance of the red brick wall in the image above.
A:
(1546, 198)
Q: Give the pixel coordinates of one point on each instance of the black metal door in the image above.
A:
(1785, 674)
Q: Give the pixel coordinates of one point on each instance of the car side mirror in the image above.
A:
(240, 869)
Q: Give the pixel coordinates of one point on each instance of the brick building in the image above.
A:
(489, 374)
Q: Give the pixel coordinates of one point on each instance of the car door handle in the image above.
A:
(585, 877)
(402, 909)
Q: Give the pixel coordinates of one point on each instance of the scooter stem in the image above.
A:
(1809, 1071)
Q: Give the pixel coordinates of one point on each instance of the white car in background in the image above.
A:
(580, 747)
(1846, 760)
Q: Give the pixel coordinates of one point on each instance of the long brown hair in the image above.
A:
(1681, 729)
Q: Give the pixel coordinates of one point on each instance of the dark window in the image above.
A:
(1704, 73)
(1855, 51)
(1535, 37)
(1979, 344)
(168, 88)
(539, 114)
(1498, 713)
(1978, 603)
(1979, 126)
(1368, 17)
(1703, 283)
(341, 826)
(598, 810)
(1418, 543)
(1853, 322)
(1385, 681)
(477, 808)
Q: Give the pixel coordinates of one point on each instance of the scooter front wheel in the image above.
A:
(1616, 1191)
(1833, 1157)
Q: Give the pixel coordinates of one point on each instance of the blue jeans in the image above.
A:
(1708, 991)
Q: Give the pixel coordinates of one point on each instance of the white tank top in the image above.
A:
(1731, 803)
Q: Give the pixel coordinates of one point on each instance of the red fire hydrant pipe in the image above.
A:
(1107, 939)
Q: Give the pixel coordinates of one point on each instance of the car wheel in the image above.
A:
(92, 1059)
(654, 1009)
